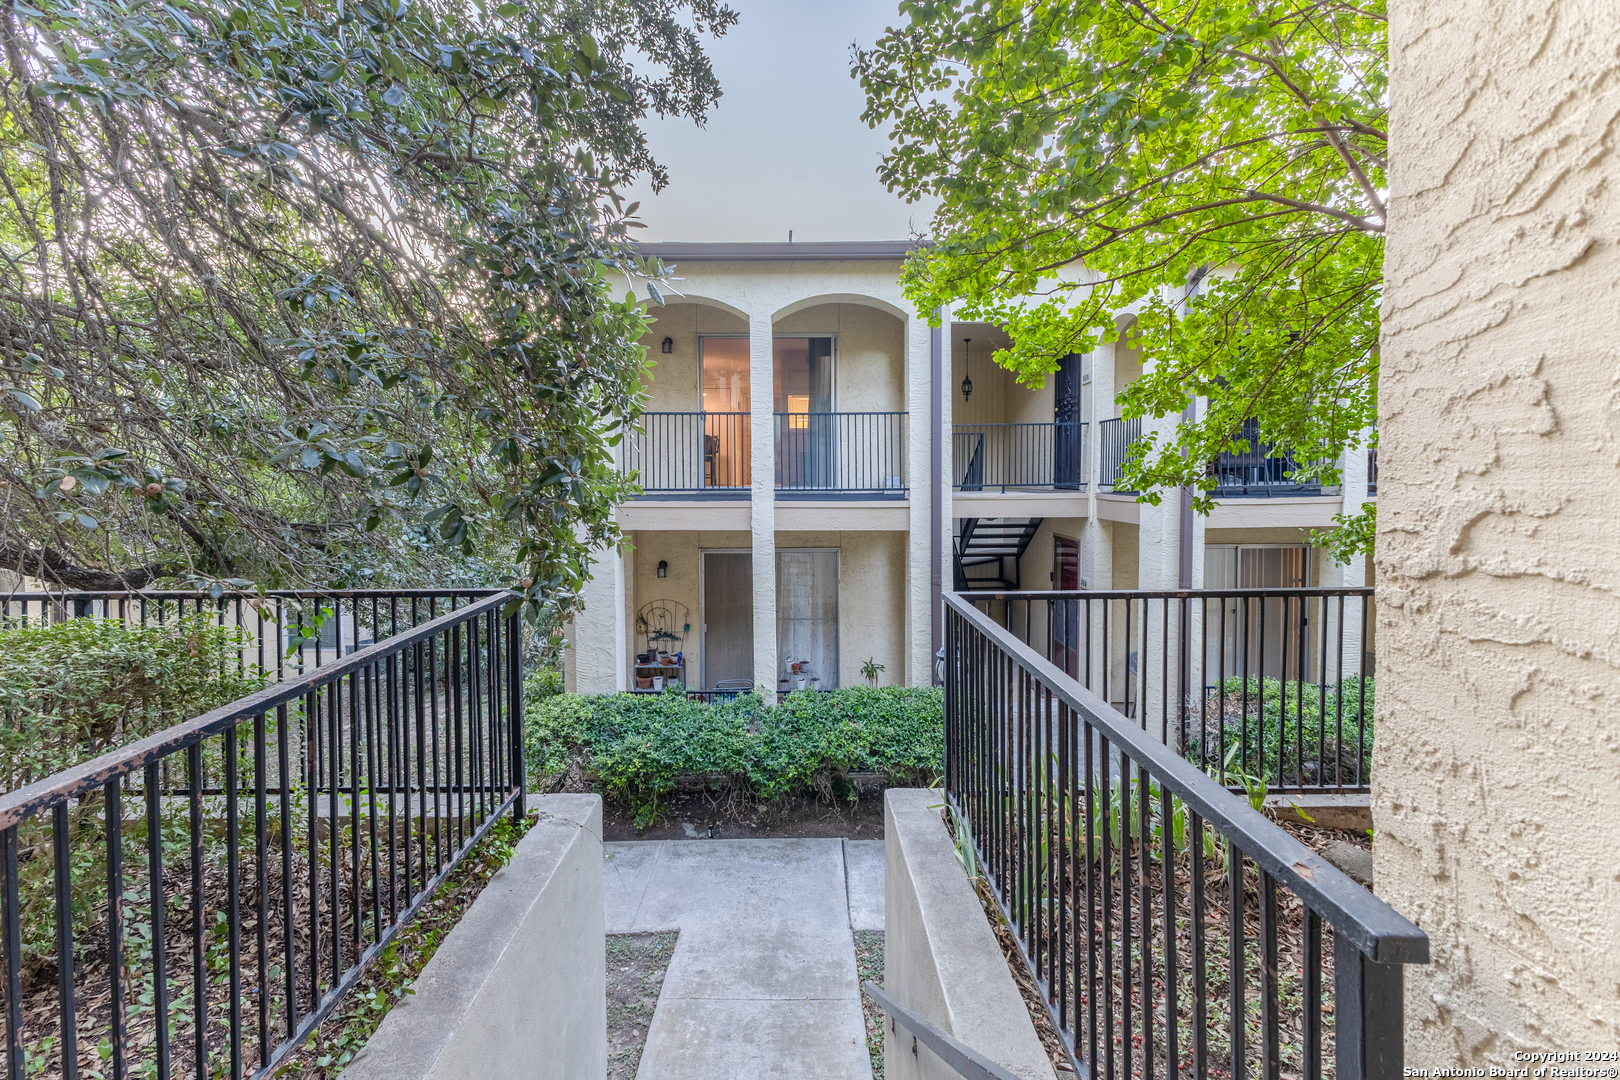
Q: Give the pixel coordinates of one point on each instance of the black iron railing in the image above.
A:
(1261, 688)
(1258, 469)
(995, 457)
(1173, 930)
(690, 452)
(196, 902)
(1114, 440)
(862, 452)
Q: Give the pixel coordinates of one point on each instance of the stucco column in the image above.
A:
(1497, 756)
(601, 662)
(1352, 574)
(762, 512)
(919, 553)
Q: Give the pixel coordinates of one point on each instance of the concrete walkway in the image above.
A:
(762, 984)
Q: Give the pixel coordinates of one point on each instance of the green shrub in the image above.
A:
(636, 746)
(1289, 730)
(72, 690)
(78, 688)
(540, 684)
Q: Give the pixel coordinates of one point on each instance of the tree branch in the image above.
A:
(51, 565)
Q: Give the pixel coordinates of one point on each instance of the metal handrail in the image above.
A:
(855, 452)
(1030, 754)
(400, 757)
(1194, 665)
(1045, 456)
(965, 1060)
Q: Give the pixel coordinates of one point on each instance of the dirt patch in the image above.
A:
(869, 968)
(724, 815)
(636, 964)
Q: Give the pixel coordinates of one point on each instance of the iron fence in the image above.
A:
(1018, 456)
(855, 452)
(1258, 469)
(1115, 438)
(198, 901)
(690, 452)
(1173, 930)
(1264, 688)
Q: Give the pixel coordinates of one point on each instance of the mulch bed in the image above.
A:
(1290, 929)
(337, 1039)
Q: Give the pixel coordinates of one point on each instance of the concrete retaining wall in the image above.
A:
(940, 958)
(519, 988)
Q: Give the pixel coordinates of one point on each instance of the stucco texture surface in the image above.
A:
(1498, 750)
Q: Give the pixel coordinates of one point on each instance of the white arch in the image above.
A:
(697, 300)
(860, 299)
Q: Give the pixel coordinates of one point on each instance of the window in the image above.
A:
(803, 373)
(807, 619)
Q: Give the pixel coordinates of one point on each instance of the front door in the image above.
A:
(728, 619)
(1065, 650)
(1067, 452)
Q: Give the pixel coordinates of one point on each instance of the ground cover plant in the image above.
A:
(638, 747)
(1285, 732)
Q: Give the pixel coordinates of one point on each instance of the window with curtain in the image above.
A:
(807, 619)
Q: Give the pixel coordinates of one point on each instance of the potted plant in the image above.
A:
(870, 669)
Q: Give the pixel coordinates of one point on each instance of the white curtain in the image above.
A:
(807, 616)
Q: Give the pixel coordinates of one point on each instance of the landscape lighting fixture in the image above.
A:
(967, 379)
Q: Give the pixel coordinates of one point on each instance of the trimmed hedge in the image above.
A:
(1285, 724)
(636, 746)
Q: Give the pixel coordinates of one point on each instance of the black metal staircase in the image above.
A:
(991, 542)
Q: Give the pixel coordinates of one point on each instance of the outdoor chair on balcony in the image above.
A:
(711, 460)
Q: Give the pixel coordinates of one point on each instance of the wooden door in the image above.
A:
(1065, 650)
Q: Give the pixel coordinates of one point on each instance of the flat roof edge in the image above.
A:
(826, 251)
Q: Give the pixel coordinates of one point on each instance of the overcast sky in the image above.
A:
(785, 148)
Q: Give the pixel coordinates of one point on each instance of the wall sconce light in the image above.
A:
(663, 568)
(967, 379)
(669, 345)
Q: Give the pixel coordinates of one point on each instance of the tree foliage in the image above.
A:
(325, 293)
(1215, 168)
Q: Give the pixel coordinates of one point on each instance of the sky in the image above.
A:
(785, 149)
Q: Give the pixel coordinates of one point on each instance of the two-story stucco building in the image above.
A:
(818, 464)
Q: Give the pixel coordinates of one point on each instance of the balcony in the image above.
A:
(1255, 471)
(1019, 457)
(692, 453)
(707, 454)
(1116, 437)
(858, 453)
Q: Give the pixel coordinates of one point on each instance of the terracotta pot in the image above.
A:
(644, 682)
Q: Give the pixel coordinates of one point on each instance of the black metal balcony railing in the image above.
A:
(1115, 438)
(1019, 456)
(196, 902)
(1258, 469)
(1263, 688)
(1172, 929)
(858, 453)
(690, 452)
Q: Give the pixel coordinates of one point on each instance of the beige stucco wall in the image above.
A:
(869, 375)
(871, 599)
(674, 385)
(1498, 754)
(683, 551)
(871, 595)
